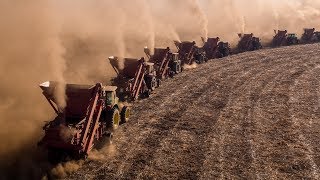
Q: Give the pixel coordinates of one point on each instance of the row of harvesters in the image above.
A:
(94, 111)
(283, 38)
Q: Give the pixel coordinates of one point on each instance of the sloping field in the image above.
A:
(249, 116)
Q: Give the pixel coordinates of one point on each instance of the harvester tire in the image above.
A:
(125, 113)
(56, 156)
(114, 119)
(159, 81)
(152, 83)
(226, 53)
(147, 93)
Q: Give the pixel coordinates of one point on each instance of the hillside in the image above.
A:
(253, 116)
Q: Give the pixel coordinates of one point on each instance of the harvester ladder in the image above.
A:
(138, 79)
(93, 127)
(88, 126)
(190, 54)
(164, 65)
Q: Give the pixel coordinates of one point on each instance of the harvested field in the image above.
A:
(249, 116)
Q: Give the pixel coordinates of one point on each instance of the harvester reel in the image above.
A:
(125, 113)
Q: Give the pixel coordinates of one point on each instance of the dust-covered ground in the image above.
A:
(249, 116)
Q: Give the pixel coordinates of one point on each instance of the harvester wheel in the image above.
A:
(114, 118)
(159, 82)
(56, 156)
(147, 93)
(152, 83)
(125, 113)
(226, 53)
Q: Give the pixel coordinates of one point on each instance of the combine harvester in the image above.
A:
(91, 112)
(136, 80)
(189, 53)
(214, 48)
(248, 42)
(310, 36)
(166, 63)
(281, 38)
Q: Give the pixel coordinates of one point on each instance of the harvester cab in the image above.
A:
(248, 43)
(90, 112)
(137, 78)
(214, 48)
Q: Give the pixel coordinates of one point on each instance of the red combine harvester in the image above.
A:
(91, 112)
(214, 48)
(310, 36)
(189, 53)
(137, 79)
(281, 38)
(248, 43)
(167, 64)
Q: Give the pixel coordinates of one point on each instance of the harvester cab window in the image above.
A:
(109, 98)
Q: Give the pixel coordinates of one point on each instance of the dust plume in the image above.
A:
(30, 53)
(63, 169)
(192, 66)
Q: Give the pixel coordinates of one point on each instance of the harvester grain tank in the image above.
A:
(91, 112)
(137, 79)
(281, 38)
(189, 53)
(166, 63)
(248, 42)
(310, 36)
(214, 48)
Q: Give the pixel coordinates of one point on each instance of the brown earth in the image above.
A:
(249, 116)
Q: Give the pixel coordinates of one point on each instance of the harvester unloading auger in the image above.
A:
(248, 42)
(137, 78)
(91, 112)
(166, 63)
(281, 38)
(214, 48)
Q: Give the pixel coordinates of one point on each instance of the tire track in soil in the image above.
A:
(110, 169)
(191, 171)
(188, 173)
(166, 123)
(141, 152)
(281, 154)
(245, 144)
(305, 114)
(218, 65)
(157, 97)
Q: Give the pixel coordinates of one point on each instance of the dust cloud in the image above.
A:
(63, 169)
(70, 42)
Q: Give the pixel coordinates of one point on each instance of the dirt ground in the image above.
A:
(249, 116)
